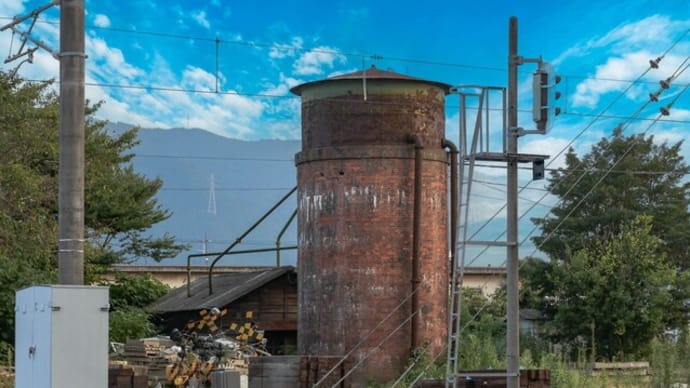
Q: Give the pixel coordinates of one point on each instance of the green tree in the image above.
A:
(483, 330)
(135, 290)
(120, 204)
(602, 192)
(129, 296)
(615, 292)
(648, 178)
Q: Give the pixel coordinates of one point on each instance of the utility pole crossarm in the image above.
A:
(35, 41)
(33, 14)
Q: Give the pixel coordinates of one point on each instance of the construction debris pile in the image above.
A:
(206, 344)
(188, 356)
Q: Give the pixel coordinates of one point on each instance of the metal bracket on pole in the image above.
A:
(25, 36)
(34, 14)
(37, 42)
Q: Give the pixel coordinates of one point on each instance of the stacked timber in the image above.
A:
(123, 376)
(148, 353)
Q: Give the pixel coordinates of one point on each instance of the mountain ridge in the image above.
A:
(249, 177)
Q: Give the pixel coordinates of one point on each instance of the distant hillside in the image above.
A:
(250, 177)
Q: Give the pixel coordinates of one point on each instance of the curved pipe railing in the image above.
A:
(239, 239)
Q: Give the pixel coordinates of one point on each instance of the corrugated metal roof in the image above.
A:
(227, 287)
(372, 73)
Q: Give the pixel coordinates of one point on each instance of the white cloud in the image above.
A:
(200, 17)
(198, 79)
(315, 60)
(645, 33)
(628, 48)
(628, 66)
(542, 145)
(11, 7)
(287, 50)
(108, 62)
(101, 20)
(655, 29)
(283, 87)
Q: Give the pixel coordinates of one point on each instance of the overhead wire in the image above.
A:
(205, 189)
(675, 75)
(606, 174)
(577, 136)
(568, 215)
(262, 95)
(320, 50)
(486, 304)
(587, 170)
(211, 157)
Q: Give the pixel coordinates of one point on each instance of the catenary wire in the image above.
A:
(676, 73)
(320, 49)
(578, 135)
(655, 121)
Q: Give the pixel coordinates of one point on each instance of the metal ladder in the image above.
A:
(480, 139)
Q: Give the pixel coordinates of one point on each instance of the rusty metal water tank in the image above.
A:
(356, 177)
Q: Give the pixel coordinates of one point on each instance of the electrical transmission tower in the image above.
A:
(212, 196)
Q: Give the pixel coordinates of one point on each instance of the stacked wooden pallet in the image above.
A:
(124, 376)
(148, 353)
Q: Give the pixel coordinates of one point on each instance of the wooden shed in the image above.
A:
(269, 293)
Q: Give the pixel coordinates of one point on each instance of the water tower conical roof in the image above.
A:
(372, 73)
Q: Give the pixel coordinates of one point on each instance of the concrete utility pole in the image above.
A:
(71, 169)
(512, 265)
(543, 112)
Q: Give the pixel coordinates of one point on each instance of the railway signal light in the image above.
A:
(544, 107)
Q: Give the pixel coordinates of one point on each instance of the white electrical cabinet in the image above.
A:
(61, 337)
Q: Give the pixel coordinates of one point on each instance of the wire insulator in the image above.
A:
(654, 63)
(654, 97)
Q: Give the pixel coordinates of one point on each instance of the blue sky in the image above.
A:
(264, 48)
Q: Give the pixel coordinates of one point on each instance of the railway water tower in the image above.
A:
(373, 220)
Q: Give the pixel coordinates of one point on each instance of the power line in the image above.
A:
(490, 183)
(206, 157)
(582, 114)
(288, 47)
(503, 199)
(652, 64)
(349, 100)
(664, 111)
(591, 190)
(592, 170)
(205, 189)
(285, 47)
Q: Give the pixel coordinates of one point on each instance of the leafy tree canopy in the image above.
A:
(120, 204)
(645, 178)
(129, 295)
(615, 293)
(135, 291)
(619, 247)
